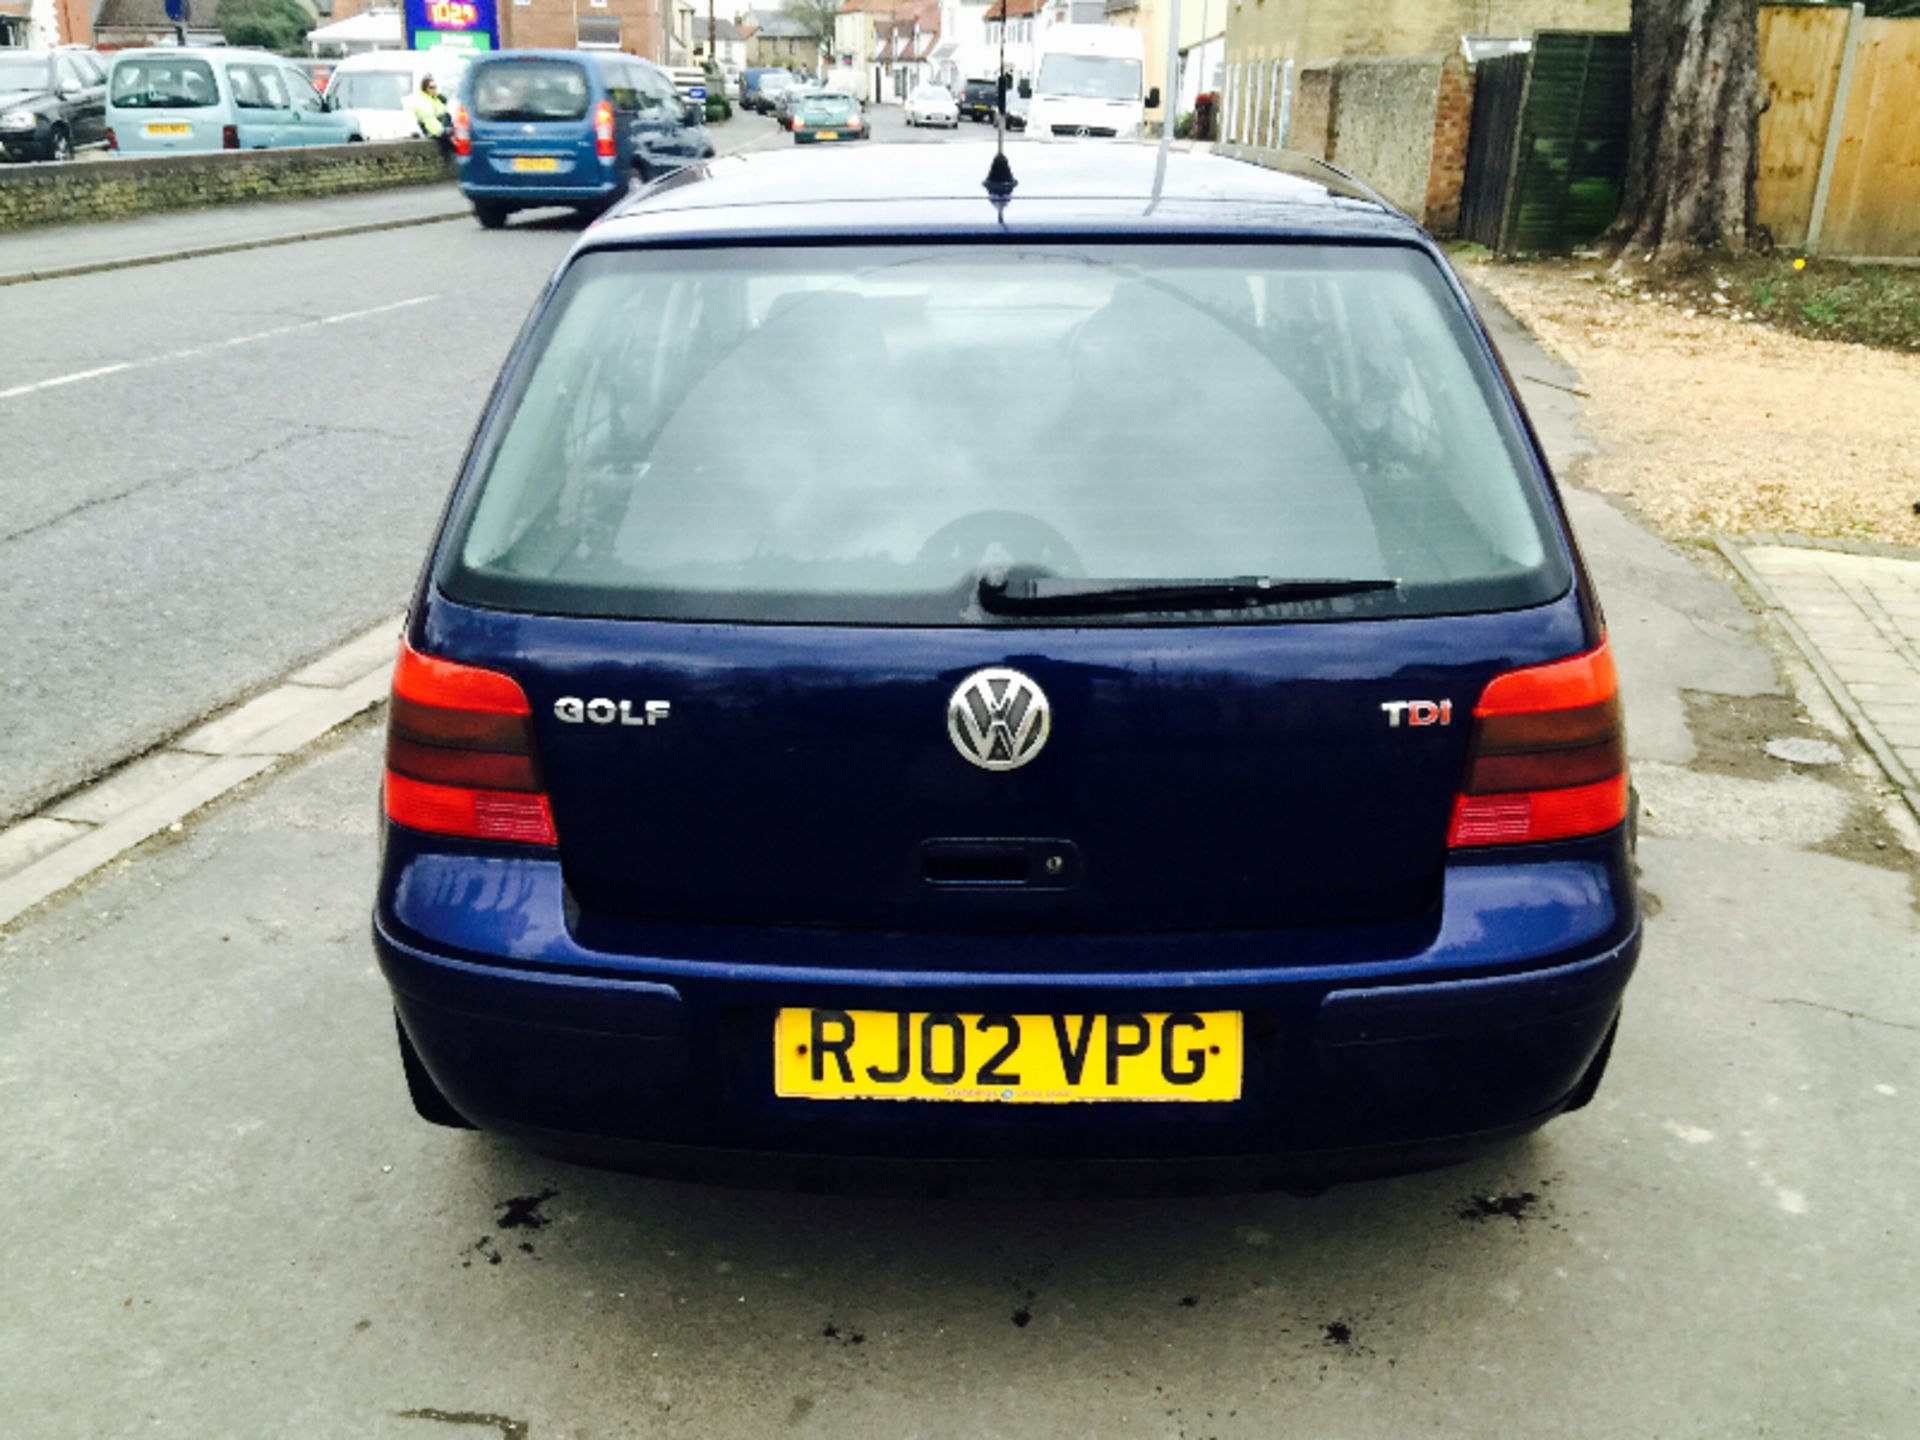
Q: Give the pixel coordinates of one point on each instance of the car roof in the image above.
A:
(1061, 189)
(204, 52)
(587, 57)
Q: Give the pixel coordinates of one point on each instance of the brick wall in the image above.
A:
(549, 24)
(1452, 124)
(1310, 130)
(86, 190)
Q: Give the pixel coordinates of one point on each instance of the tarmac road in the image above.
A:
(215, 469)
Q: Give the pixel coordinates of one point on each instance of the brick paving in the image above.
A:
(1856, 616)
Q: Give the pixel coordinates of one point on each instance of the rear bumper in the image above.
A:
(507, 192)
(665, 1059)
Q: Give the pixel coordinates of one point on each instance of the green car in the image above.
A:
(828, 116)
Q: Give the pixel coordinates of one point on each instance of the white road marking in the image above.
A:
(209, 349)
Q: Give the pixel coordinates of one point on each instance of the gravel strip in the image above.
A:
(1711, 425)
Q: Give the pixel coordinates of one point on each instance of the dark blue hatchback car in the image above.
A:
(1097, 676)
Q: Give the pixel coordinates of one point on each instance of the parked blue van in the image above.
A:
(568, 127)
(1215, 768)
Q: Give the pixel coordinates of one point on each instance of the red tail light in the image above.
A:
(229, 137)
(603, 130)
(113, 140)
(462, 130)
(794, 124)
(1548, 756)
(460, 754)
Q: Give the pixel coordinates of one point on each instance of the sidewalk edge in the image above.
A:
(132, 803)
(1896, 772)
(200, 252)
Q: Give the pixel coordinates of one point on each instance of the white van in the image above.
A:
(374, 88)
(1091, 83)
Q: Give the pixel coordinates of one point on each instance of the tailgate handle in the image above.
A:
(1002, 864)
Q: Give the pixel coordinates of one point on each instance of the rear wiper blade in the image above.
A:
(1045, 596)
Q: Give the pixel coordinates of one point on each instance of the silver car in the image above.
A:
(786, 99)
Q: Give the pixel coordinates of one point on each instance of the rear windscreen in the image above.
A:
(155, 82)
(25, 73)
(864, 435)
(529, 90)
(373, 90)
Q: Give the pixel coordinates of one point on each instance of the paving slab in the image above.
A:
(22, 844)
(1853, 615)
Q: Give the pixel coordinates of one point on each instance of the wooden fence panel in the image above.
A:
(1499, 91)
(1800, 51)
(1873, 203)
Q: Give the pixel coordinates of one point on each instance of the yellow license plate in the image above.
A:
(826, 134)
(1006, 1059)
(545, 164)
(154, 127)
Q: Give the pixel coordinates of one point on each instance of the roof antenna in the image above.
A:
(1170, 105)
(1000, 182)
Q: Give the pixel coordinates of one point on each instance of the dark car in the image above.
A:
(52, 102)
(828, 117)
(979, 99)
(760, 86)
(1235, 740)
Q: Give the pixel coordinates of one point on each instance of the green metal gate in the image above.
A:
(1545, 175)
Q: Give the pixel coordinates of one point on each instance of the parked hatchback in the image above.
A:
(216, 99)
(52, 102)
(568, 127)
(979, 99)
(1072, 758)
(828, 116)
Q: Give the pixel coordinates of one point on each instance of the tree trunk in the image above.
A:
(1693, 146)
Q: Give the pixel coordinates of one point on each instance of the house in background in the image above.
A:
(729, 47)
(1203, 44)
(775, 38)
(43, 24)
(636, 26)
(961, 53)
(852, 66)
(904, 46)
(132, 24)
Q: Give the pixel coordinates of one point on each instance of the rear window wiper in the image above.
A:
(1046, 596)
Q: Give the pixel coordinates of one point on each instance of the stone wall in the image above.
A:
(1382, 131)
(1399, 125)
(113, 189)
